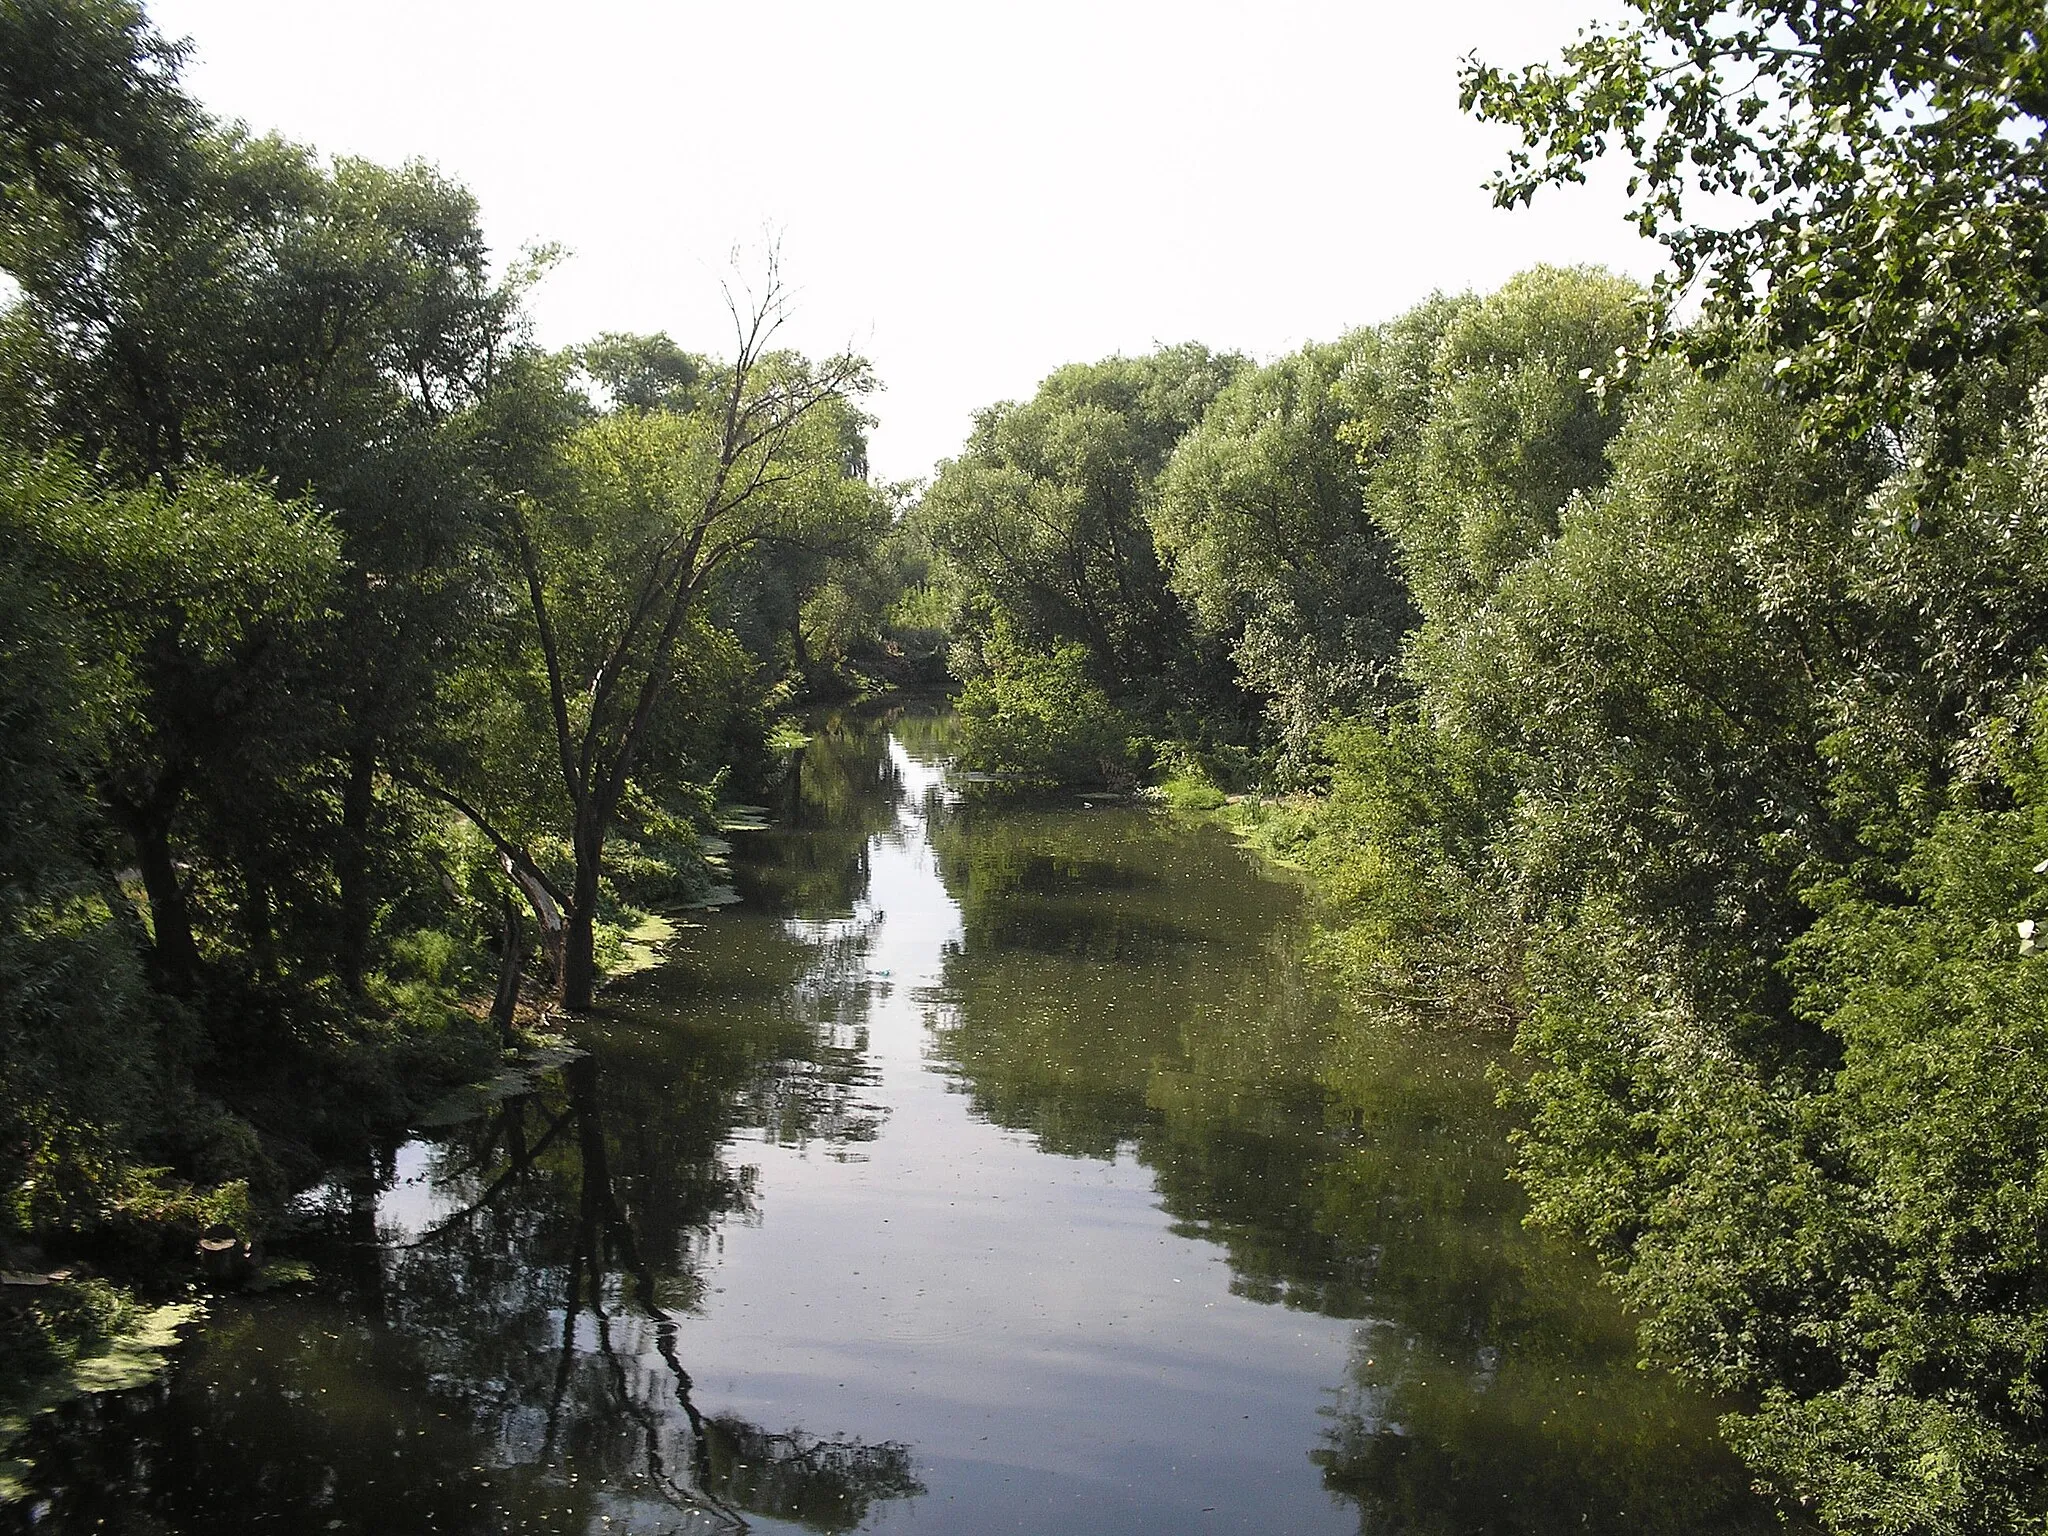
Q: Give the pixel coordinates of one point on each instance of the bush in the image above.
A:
(1037, 722)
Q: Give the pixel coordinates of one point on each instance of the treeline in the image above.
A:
(1672, 695)
(362, 664)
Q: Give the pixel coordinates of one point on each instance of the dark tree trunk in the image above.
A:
(352, 864)
(365, 1251)
(579, 959)
(511, 966)
(579, 928)
(258, 923)
(148, 824)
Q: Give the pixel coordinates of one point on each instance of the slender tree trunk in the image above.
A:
(546, 914)
(352, 862)
(511, 965)
(258, 923)
(800, 651)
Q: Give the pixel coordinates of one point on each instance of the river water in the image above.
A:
(983, 1170)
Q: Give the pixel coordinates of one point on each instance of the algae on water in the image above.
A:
(92, 1339)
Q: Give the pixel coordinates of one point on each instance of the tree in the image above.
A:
(1042, 517)
(609, 557)
(1261, 516)
(199, 605)
(1887, 157)
(1526, 387)
(189, 295)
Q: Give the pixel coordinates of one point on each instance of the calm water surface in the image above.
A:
(983, 1171)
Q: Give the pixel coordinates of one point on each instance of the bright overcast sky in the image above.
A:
(970, 193)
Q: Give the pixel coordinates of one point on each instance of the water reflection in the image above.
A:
(498, 1344)
(1491, 1386)
(985, 1170)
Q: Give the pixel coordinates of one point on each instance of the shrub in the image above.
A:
(1038, 722)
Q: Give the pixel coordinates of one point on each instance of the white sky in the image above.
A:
(970, 193)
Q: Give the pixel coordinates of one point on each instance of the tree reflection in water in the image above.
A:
(1127, 988)
(515, 1362)
(1124, 989)
(595, 1203)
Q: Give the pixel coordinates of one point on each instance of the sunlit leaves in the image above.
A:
(1860, 190)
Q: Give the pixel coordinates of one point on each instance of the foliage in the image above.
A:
(1862, 190)
(1524, 388)
(1034, 722)
(304, 549)
(1261, 516)
(1041, 523)
(612, 550)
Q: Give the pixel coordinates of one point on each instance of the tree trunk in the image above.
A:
(511, 965)
(579, 959)
(352, 863)
(800, 651)
(579, 928)
(545, 914)
(258, 924)
(170, 920)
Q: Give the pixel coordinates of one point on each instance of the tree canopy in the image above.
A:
(1858, 190)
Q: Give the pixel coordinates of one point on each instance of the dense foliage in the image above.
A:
(1670, 694)
(348, 644)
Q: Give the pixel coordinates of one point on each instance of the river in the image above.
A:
(982, 1170)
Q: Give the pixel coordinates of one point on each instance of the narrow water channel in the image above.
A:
(984, 1170)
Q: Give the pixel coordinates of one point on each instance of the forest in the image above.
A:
(1649, 676)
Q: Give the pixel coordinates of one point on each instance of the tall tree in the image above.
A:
(610, 557)
(1041, 519)
(1262, 517)
(201, 606)
(189, 295)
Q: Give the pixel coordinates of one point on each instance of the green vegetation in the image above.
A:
(1665, 691)
(1668, 694)
(349, 644)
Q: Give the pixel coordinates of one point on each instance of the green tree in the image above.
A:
(1526, 387)
(1261, 516)
(1861, 190)
(609, 557)
(199, 605)
(1042, 519)
(191, 296)
(1038, 722)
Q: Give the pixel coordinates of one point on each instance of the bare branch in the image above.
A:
(551, 652)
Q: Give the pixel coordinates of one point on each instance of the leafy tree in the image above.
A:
(76, 1033)
(198, 604)
(189, 296)
(1037, 722)
(611, 555)
(1757, 1116)
(1861, 190)
(807, 591)
(1261, 516)
(1041, 519)
(1525, 389)
(645, 373)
